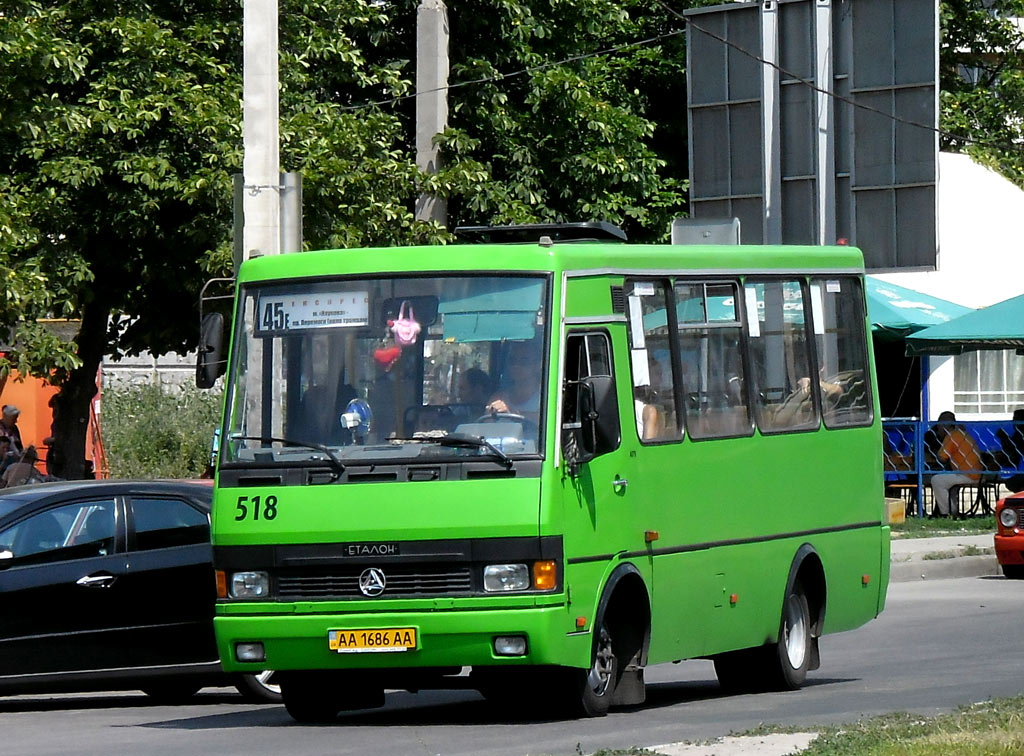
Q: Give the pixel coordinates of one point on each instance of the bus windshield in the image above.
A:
(396, 368)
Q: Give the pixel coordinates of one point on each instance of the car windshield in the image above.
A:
(381, 369)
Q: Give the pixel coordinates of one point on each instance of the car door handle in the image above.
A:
(96, 581)
(619, 484)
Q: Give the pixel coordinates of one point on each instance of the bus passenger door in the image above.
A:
(600, 518)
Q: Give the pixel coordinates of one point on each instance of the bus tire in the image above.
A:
(592, 689)
(317, 697)
(791, 655)
(308, 702)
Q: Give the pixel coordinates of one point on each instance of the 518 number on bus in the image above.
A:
(256, 507)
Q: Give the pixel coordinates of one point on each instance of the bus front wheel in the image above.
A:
(593, 688)
(317, 697)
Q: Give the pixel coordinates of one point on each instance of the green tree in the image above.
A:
(981, 60)
(598, 136)
(120, 131)
(121, 126)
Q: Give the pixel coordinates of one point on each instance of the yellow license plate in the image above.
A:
(377, 640)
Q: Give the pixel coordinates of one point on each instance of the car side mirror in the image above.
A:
(6, 555)
(210, 364)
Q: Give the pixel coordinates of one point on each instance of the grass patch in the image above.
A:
(922, 527)
(969, 550)
(989, 728)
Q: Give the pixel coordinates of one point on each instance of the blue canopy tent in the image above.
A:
(999, 326)
(896, 311)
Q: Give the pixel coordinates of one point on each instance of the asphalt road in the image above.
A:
(939, 644)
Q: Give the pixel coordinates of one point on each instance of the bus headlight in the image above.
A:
(506, 577)
(1008, 518)
(250, 585)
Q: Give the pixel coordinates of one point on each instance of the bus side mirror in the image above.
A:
(209, 363)
(599, 416)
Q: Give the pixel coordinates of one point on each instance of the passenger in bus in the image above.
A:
(519, 390)
(798, 408)
(649, 424)
(475, 389)
(959, 448)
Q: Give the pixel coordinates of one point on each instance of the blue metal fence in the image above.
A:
(913, 451)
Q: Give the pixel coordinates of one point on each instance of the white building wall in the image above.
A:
(981, 253)
(170, 370)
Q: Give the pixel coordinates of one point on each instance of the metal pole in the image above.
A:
(771, 144)
(431, 99)
(826, 167)
(291, 212)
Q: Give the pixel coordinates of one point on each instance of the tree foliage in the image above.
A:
(982, 82)
(152, 432)
(120, 128)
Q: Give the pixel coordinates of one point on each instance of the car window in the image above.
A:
(72, 531)
(162, 522)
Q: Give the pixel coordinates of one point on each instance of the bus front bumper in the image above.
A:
(452, 638)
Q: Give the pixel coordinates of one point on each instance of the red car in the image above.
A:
(1010, 535)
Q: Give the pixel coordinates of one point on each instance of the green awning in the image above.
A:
(896, 311)
(1000, 326)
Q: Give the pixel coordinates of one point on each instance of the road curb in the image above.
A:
(939, 569)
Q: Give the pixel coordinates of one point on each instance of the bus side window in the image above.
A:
(711, 356)
(785, 384)
(839, 334)
(650, 353)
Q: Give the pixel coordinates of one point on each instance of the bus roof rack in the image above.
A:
(531, 233)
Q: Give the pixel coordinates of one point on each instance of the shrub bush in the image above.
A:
(150, 431)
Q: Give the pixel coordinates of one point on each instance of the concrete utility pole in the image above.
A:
(260, 136)
(431, 99)
(261, 196)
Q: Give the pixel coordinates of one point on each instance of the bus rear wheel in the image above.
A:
(790, 657)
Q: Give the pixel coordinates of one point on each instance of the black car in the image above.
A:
(109, 584)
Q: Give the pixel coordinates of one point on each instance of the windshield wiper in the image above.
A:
(335, 462)
(461, 441)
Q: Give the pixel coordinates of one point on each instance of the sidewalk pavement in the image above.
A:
(954, 556)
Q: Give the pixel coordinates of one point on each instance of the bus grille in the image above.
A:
(418, 580)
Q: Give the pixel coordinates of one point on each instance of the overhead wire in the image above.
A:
(520, 72)
(688, 21)
(832, 94)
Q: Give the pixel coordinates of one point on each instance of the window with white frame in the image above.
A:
(988, 382)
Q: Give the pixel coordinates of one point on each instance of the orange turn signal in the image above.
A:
(865, 579)
(544, 574)
(222, 584)
(581, 622)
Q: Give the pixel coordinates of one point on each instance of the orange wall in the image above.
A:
(31, 397)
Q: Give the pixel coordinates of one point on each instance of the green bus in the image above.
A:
(535, 468)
